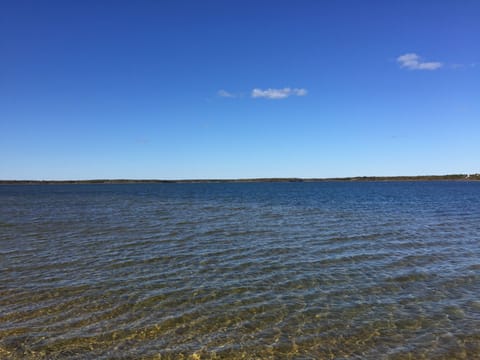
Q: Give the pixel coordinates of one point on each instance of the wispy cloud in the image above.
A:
(463, 66)
(277, 93)
(266, 93)
(225, 93)
(412, 61)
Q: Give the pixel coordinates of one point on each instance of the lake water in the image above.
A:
(370, 270)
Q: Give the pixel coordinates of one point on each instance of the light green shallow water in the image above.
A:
(231, 271)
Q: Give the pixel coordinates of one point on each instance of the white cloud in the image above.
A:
(413, 62)
(277, 93)
(225, 93)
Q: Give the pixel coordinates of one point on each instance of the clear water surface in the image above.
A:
(370, 270)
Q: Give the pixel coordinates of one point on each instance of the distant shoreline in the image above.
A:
(454, 177)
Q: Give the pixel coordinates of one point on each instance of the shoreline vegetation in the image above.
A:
(453, 177)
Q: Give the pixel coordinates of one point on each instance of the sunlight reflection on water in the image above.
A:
(287, 270)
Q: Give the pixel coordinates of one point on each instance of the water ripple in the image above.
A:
(214, 271)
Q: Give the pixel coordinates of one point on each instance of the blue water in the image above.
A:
(329, 270)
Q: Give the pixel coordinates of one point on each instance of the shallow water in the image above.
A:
(374, 270)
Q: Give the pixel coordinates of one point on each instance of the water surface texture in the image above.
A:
(371, 270)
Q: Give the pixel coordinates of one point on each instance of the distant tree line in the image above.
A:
(451, 177)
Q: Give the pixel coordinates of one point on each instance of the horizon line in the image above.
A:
(475, 176)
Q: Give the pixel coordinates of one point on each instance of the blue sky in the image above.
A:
(238, 89)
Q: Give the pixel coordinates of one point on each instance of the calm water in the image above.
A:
(227, 271)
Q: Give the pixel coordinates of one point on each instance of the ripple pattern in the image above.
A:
(240, 271)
